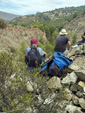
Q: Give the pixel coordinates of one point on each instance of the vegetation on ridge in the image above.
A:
(51, 21)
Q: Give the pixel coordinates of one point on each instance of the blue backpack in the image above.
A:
(55, 65)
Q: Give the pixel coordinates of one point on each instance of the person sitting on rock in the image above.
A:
(34, 55)
(80, 42)
(62, 41)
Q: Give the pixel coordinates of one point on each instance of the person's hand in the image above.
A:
(45, 53)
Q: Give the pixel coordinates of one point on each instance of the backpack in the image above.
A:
(55, 65)
(49, 70)
(34, 58)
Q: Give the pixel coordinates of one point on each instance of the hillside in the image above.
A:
(66, 14)
(12, 36)
(76, 26)
(7, 16)
(52, 22)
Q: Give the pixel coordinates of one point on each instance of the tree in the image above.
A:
(2, 24)
(75, 15)
(54, 35)
(74, 38)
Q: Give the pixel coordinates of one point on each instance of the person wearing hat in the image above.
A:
(62, 41)
(34, 44)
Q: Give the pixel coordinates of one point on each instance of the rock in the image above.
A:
(8, 84)
(69, 97)
(82, 84)
(50, 99)
(75, 100)
(70, 79)
(73, 109)
(31, 86)
(72, 68)
(75, 51)
(79, 94)
(81, 74)
(12, 78)
(54, 83)
(82, 103)
(40, 100)
(75, 88)
(67, 91)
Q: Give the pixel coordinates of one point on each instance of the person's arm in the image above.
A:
(69, 45)
(42, 53)
(26, 59)
(45, 53)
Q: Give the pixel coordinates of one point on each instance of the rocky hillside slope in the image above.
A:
(54, 95)
(11, 36)
(76, 26)
(65, 94)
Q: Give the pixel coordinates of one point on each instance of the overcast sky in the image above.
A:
(26, 7)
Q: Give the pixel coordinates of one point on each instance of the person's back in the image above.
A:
(62, 41)
(34, 58)
(34, 54)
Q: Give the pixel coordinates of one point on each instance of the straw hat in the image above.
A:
(63, 32)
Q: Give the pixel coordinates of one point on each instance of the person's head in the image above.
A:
(83, 36)
(63, 32)
(34, 42)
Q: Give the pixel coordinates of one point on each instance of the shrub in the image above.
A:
(49, 49)
(2, 24)
(74, 38)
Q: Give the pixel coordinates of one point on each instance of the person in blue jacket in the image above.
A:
(80, 42)
(83, 39)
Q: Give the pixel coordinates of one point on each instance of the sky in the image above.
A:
(27, 7)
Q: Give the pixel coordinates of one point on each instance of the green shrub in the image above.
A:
(15, 90)
(49, 49)
(6, 64)
(74, 38)
(41, 40)
(2, 24)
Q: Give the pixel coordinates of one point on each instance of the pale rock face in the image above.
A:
(82, 103)
(72, 109)
(70, 79)
(54, 83)
(12, 36)
(29, 86)
(82, 84)
(81, 74)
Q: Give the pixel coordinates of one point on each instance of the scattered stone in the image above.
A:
(81, 74)
(73, 109)
(82, 103)
(70, 79)
(54, 83)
